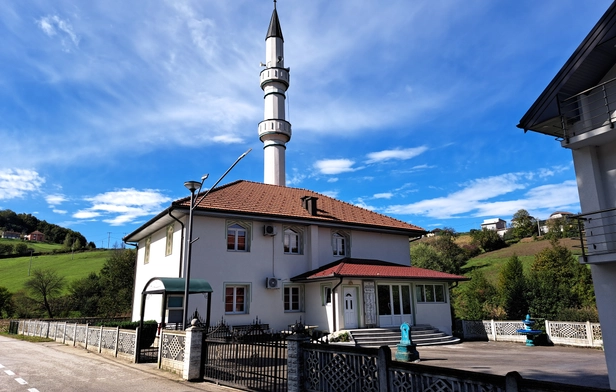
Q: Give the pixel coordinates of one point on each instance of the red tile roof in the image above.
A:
(279, 201)
(361, 268)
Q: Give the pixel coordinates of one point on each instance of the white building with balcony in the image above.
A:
(578, 108)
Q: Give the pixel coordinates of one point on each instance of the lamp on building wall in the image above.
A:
(195, 188)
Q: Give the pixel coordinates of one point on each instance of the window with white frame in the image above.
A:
(293, 298)
(340, 243)
(326, 294)
(236, 298)
(175, 308)
(430, 292)
(292, 241)
(146, 251)
(238, 237)
(169, 242)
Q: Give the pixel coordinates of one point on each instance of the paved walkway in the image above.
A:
(567, 365)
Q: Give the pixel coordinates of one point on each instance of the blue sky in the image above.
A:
(407, 108)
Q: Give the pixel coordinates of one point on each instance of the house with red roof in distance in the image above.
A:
(35, 236)
(279, 254)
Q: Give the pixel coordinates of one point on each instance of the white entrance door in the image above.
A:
(394, 304)
(350, 308)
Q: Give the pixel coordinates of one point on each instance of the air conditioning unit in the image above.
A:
(269, 230)
(273, 283)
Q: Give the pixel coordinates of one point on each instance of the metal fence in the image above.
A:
(248, 357)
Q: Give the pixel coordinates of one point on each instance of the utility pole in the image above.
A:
(108, 238)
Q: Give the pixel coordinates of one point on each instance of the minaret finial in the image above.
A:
(274, 4)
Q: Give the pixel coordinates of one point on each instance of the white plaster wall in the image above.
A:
(604, 276)
(158, 266)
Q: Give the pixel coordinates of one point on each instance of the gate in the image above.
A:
(248, 357)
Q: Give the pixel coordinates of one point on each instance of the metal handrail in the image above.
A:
(596, 238)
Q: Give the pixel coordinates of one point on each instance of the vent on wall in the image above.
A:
(273, 283)
(269, 230)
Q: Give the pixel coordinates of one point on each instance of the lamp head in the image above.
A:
(204, 177)
(192, 185)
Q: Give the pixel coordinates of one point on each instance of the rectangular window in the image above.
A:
(292, 298)
(175, 308)
(292, 242)
(146, 255)
(326, 294)
(236, 299)
(430, 292)
(340, 244)
(169, 243)
(237, 238)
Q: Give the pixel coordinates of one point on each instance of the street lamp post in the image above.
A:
(195, 187)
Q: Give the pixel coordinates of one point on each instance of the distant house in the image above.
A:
(544, 225)
(496, 224)
(36, 236)
(13, 235)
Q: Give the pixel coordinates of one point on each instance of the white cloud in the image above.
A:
(395, 154)
(53, 25)
(474, 198)
(123, 206)
(335, 166)
(333, 194)
(61, 212)
(386, 195)
(55, 199)
(15, 183)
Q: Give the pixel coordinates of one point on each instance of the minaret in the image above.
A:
(274, 130)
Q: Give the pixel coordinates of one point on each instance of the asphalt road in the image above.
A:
(54, 367)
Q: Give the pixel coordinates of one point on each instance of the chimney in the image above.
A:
(310, 204)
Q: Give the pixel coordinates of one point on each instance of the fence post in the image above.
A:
(117, 342)
(295, 362)
(75, 335)
(192, 352)
(383, 362)
(87, 333)
(512, 382)
(137, 345)
(493, 323)
(589, 334)
(100, 340)
(64, 333)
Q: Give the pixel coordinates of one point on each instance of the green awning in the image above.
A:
(176, 286)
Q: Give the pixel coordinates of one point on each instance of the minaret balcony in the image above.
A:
(275, 75)
(274, 127)
(597, 235)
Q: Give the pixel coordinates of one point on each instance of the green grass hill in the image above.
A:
(39, 247)
(14, 271)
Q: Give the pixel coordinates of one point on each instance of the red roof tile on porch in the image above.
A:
(360, 268)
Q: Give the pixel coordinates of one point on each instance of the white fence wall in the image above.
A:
(559, 332)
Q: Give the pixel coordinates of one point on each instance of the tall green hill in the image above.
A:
(14, 271)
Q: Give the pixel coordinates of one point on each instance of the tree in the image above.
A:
(6, 249)
(116, 280)
(487, 240)
(512, 289)
(21, 248)
(85, 295)
(524, 225)
(44, 286)
(425, 256)
(6, 303)
(475, 300)
(557, 282)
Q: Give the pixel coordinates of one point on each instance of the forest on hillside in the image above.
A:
(27, 223)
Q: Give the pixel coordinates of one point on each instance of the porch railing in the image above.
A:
(590, 109)
(597, 232)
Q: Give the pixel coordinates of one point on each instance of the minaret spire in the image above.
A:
(274, 130)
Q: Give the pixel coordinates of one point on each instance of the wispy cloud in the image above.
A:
(55, 199)
(15, 183)
(474, 198)
(53, 25)
(335, 166)
(123, 206)
(396, 154)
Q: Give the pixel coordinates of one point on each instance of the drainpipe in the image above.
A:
(181, 240)
(334, 304)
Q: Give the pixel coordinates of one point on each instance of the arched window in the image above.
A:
(340, 244)
(292, 241)
(238, 237)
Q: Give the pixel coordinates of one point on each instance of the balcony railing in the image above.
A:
(598, 232)
(590, 109)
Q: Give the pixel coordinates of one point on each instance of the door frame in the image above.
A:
(411, 287)
(356, 303)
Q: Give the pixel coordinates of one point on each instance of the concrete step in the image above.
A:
(421, 335)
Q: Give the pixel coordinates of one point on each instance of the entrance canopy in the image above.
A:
(176, 286)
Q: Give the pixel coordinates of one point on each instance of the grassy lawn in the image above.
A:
(37, 246)
(492, 262)
(14, 271)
